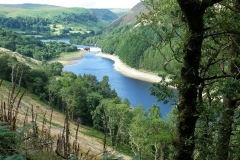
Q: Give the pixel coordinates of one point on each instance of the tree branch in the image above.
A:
(209, 3)
(237, 99)
(221, 33)
(210, 27)
(231, 8)
(216, 77)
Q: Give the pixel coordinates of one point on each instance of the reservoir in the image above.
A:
(136, 91)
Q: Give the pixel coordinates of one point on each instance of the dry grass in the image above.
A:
(26, 60)
(89, 146)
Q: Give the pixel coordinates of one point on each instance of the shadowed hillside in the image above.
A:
(129, 18)
(104, 14)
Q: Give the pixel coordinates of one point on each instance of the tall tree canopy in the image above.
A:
(202, 37)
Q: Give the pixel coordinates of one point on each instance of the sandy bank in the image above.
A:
(130, 72)
(70, 58)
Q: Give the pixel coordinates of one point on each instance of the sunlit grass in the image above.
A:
(72, 54)
(43, 12)
(121, 148)
(77, 32)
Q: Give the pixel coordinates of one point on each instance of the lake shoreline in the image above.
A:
(70, 59)
(119, 66)
(127, 71)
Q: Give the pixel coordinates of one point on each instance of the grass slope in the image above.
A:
(42, 12)
(90, 140)
(33, 63)
(73, 18)
(28, 5)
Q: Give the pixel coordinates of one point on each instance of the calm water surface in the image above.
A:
(137, 91)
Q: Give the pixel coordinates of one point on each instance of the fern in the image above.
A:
(8, 140)
(15, 157)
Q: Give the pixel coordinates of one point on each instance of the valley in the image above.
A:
(189, 45)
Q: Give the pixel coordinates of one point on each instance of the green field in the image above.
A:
(72, 54)
(42, 12)
(79, 20)
(56, 30)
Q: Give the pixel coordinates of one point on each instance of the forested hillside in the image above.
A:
(53, 21)
(131, 42)
(193, 43)
(137, 46)
(197, 43)
(76, 96)
(104, 14)
(32, 47)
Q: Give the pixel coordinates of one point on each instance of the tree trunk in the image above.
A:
(187, 104)
(162, 151)
(156, 151)
(225, 125)
(225, 130)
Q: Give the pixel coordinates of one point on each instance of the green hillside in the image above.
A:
(194, 47)
(38, 10)
(104, 14)
(57, 20)
(50, 88)
(27, 5)
(32, 47)
(197, 42)
(119, 11)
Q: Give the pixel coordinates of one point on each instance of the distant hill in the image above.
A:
(119, 11)
(76, 19)
(129, 18)
(39, 10)
(50, 11)
(132, 42)
(27, 5)
(104, 14)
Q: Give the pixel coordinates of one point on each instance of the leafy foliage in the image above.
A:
(32, 47)
(44, 16)
(8, 139)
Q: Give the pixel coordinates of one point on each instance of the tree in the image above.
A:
(105, 88)
(189, 80)
(193, 12)
(55, 99)
(66, 91)
(138, 133)
(124, 115)
(230, 100)
(150, 136)
(38, 81)
(194, 79)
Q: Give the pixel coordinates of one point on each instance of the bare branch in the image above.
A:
(238, 71)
